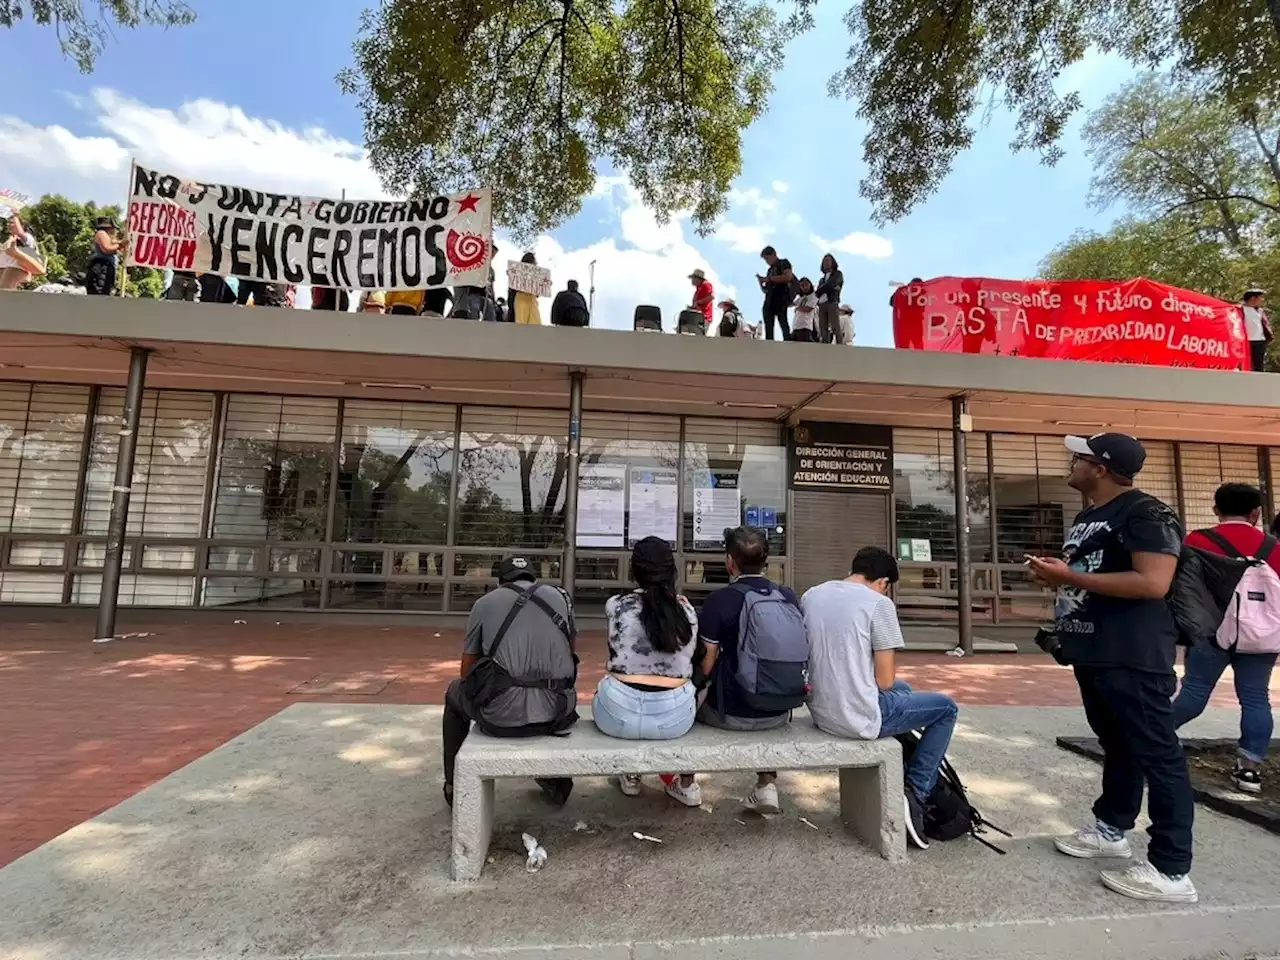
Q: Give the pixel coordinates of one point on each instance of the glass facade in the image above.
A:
(310, 503)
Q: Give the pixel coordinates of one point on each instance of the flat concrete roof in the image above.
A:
(214, 347)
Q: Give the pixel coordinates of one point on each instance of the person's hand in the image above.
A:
(1049, 571)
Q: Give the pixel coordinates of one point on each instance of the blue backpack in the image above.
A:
(773, 652)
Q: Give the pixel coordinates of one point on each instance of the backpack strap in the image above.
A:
(524, 596)
(1265, 549)
(1225, 545)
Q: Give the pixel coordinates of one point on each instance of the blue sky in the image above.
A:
(247, 95)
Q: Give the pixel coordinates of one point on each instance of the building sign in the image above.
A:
(184, 224)
(1129, 321)
(841, 456)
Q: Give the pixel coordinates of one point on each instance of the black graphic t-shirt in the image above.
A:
(1098, 631)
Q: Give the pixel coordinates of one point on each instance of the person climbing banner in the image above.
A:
(1127, 321)
(417, 244)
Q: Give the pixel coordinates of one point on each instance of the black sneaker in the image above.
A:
(915, 820)
(556, 789)
(1246, 779)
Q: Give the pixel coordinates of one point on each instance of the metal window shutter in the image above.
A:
(828, 528)
(377, 435)
(260, 433)
(1158, 476)
(48, 459)
(601, 428)
(14, 400)
(1206, 466)
(491, 486)
(1025, 521)
(923, 487)
(174, 442)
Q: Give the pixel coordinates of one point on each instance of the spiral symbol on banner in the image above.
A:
(465, 250)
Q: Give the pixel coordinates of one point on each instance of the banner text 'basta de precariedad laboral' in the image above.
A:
(183, 224)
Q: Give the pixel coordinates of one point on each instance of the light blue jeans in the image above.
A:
(934, 715)
(622, 711)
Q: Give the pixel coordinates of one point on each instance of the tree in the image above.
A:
(82, 33)
(1172, 250)
(1201, 181)
(529, 96)
(64, 232)
(1164, 148)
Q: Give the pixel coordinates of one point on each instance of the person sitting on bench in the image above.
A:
(853, 637)
(519, 667)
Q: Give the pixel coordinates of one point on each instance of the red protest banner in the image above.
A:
(1128, 321)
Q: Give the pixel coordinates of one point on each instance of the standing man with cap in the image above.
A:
(1115, 628)
(519, 667)
(1257, 326)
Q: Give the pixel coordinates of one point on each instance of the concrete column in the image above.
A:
(119, 522)
(964, 592)
(568, 571)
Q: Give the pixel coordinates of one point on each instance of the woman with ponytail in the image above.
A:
(647, 692)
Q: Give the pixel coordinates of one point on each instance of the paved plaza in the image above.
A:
(169, 797)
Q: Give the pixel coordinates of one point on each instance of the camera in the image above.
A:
(1049, 641)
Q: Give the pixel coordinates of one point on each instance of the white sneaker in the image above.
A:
(629, 784)
(1089, 844)
(764, 800)
(690, 796)
(1142, 881)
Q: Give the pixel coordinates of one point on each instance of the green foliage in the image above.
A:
(83, 34)
(528, 97)
(918, 71)
(64, 232)
(1202, 182)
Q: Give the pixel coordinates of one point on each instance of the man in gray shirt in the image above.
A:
(538, 665)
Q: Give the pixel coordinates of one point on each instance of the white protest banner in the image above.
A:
(418, 244)
(528, 278)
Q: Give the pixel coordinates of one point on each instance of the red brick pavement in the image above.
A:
(87, 726)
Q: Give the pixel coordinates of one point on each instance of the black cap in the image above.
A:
(516, 568)
(1118, 452)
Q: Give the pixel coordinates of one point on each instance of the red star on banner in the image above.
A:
(468, 203)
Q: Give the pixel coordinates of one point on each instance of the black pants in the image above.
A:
(1132, 715)
(1258, 354)
(804, 336)
(776, 311)
(458, 714)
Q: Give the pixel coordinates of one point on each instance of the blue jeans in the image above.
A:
(1204, 665)
(622, 711)
(934, 714)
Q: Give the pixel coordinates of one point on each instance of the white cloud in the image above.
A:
(781, 186)
(856, 244)
(205, 139)
(649, 264)
(743, 238)
(753, 200)
(794, 219)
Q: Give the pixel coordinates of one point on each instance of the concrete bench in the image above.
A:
(870, 774)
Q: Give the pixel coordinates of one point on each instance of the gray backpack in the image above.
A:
(773, 651)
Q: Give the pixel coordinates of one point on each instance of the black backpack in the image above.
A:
(488, 679)
(1204, 583)
(948, 814)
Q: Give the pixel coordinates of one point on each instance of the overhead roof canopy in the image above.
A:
(86, 340)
